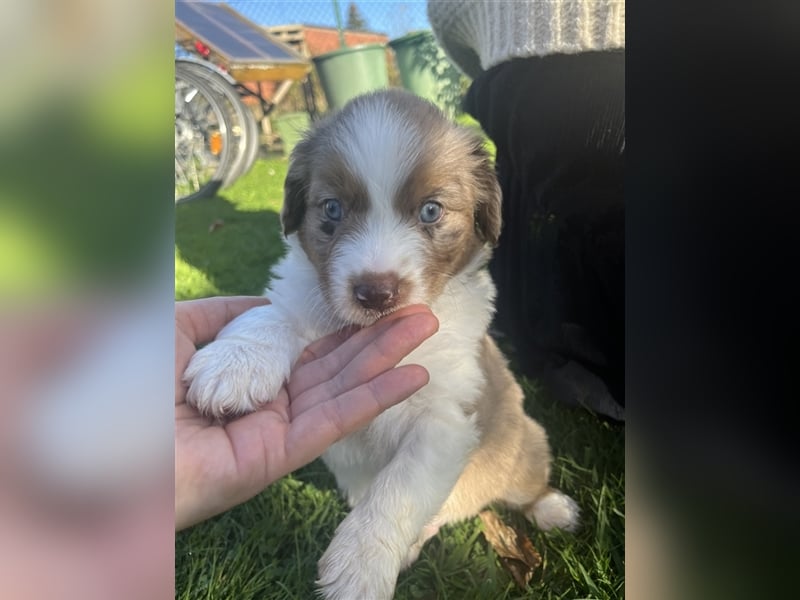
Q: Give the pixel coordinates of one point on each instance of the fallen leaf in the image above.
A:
(516, 552)
(215, 224)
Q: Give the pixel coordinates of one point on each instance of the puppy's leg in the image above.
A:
(413, 553)
(373, 542)
(529, 490)
(246, 365)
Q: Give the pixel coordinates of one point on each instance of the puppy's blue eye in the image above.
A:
(333, 209)
(430, 212)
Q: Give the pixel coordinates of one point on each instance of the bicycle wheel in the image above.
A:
(203, 149)
(245, 131)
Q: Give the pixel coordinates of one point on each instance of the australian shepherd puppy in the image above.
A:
(387, 203)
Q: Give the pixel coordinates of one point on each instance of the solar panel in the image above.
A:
(244, 48)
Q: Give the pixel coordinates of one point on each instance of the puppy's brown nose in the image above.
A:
(377, 291)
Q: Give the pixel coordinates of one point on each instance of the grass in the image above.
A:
(224, 245)
(267, 548)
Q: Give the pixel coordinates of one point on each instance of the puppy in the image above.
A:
(387, 204)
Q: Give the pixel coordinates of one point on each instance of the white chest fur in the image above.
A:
(451, 358)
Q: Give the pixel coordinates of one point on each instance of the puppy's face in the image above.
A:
(389, 201)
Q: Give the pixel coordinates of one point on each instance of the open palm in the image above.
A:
(340, 383)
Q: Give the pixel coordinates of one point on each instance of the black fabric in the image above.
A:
(559, 126)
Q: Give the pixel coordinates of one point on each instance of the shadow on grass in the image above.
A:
(233, 248)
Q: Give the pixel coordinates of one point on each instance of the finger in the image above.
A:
(326, 357)
(325, 345)
(329, 421)
(373, 356)
(399, 335)
(202, 319)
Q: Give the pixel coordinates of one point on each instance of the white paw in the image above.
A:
(357, 566)
(233, 377)
(555, 509)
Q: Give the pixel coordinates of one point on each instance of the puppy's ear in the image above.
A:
(295, 189)
(488, 219)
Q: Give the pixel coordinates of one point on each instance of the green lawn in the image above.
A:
(268, 547)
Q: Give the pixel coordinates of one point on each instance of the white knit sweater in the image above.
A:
(479, 34)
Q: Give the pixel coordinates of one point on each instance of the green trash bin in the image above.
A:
(291, 126)
(426, 71)
(417, 55)
(349, 72)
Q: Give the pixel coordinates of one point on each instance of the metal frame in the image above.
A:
(240, 70)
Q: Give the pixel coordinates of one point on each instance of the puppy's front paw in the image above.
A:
(233, 377)
(355, 566)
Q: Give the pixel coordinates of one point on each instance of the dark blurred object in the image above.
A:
(558, 122)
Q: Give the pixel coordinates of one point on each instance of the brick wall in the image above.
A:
(325, 39)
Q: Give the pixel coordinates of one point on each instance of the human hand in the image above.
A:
(339, 384)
